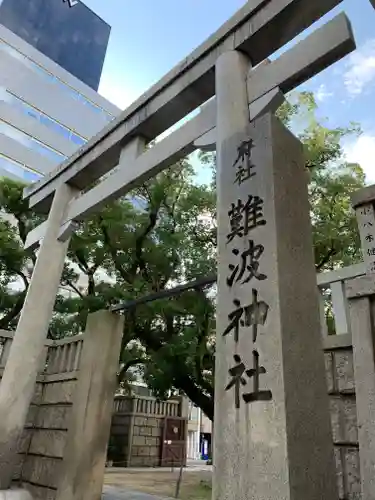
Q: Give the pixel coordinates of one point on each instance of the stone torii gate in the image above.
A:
(272, 428)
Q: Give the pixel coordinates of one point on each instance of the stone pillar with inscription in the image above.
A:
(363, 202)
(360, 293)
(272, 427)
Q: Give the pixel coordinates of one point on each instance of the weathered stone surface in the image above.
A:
(156, 432)
(151, 441)
(140, 421)
(40, 493)
(18, 385)
(18, 465)
(48, 442)
(344, 372)
(362, 309)
(145, 431)
(352, 477)
(137, 461)
(339, 474)
(31, 415)
(329, 365)
(154, 451)
(344, 420)
(24, 442)
(152, 422)
(142, 451)
(42, 471)
(59, 392)
(278, 445)
(53, 417)
(82, 471)
(37, 397)
(139, 440)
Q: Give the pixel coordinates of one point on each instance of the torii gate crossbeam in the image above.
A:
(258, 29)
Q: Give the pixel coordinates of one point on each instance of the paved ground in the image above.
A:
(112, 493)
(157, 483)
(192, 465)
(198, 465)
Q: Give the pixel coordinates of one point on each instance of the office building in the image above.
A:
(46, 112)
(66, 31)
(49, 108)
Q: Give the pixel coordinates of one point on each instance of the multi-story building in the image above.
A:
(199, 434)
(66, 31)
(199, 426)
(48, 105)
(51, 58)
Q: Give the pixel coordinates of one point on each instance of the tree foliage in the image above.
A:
(162, 234)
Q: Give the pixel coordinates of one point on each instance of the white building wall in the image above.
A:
(46, 113)
(194, 432)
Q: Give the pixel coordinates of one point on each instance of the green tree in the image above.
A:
(163, 234)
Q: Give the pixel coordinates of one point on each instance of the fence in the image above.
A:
(67, 423)
(333, 300)
(137, 425)
(42, 445)
(143, 405)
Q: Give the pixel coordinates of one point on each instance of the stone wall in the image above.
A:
(137, 430)
(137, 423)
(42, 445)
(338, 356)
(122, 422)
(44, 440)
(147, 441)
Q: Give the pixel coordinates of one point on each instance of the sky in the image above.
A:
(148, 38)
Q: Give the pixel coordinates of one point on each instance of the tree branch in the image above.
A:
(91, 284)
(139, 260)
(107, 241)
(14, 312)
(74, 288)
(22, 231)
(182, 378)
(23, 277)
(326, 258)
(127, 365)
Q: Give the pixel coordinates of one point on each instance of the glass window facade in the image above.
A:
(46, 120)
(67, 32)
(16, 168)
(30, 142)
(52, 79)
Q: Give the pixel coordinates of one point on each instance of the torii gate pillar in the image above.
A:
(18, 383)
(272, 427)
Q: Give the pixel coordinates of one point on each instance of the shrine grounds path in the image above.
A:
(157, 484)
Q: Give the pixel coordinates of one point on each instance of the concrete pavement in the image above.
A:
(114, 493)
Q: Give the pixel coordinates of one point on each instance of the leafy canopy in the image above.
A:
(162, 234)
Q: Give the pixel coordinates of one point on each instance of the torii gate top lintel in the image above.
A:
(259, 28)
